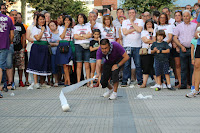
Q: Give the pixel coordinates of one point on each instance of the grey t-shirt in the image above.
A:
(160, 46)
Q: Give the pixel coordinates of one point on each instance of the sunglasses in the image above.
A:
(178, 10)
(13, 10)
(106, 15)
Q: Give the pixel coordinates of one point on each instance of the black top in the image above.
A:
(160, 46)
(18, 31)
(93, 44)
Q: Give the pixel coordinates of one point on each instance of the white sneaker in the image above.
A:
(36, 86)
(129, 82)
(155, 86)
(113, 96)
(107, 93)
(30, 87)
(193, 93)
(45, 86)
(164, 86)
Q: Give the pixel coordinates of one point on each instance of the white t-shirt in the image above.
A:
(133, 39)
(82, 29)
(116, 23)
(29, 44)
(171, 21)
(146, 34)
(168, 30)
(108, 33)
(46, 35)
(68, 33)
(96, 26)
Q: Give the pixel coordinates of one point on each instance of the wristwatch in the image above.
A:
(118, 65)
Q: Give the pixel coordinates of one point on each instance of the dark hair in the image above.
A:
(35, 14)
(38, 16)
(156, 13)
(166, 21)
(120, 9)
(132, 8)
(104, 42)
(55, 22)
(160, 33)
(84, 17)
(187, 5)
(70, 19)
(196, 4)
(178, 11)
(166, 8)
(3, 4)
(20, 14)
(96, 30)
(149, 20)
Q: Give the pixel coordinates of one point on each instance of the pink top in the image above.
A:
(185, 33)
(194, 21)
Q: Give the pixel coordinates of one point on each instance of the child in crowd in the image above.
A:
(194, 11)
(94, 45)
(193, 50)
(161, 50)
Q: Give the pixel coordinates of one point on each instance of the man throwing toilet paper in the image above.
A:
(115, 56)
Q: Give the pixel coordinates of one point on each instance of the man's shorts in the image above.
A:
(19, 60)
(3, 56)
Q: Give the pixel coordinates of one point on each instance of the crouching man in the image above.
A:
(115, 56)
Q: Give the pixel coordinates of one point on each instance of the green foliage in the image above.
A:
(56, 7)
(147, 5)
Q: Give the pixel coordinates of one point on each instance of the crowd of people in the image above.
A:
(52, 52)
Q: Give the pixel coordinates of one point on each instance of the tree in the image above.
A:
(148, 5)
(56, 7)
(8, 2)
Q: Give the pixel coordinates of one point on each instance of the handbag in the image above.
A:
(143, 51)
(49, 46)
(65, 49)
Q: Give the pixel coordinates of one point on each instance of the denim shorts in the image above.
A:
(3, 56)
(82, 54)
(92, 60)
(9, 59)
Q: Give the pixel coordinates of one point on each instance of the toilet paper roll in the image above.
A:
(63, 99)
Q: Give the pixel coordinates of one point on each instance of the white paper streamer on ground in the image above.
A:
(140, 96)
(70, 88)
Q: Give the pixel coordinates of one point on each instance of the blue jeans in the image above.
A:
(132, 52)
(185, 62)
(9, 59)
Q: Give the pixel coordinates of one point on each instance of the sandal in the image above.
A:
(55, 85)
(1, 96)
(5, 87)
(27, 84)
(143, 86)
(91, 86)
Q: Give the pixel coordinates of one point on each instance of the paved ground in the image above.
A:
(40, 111)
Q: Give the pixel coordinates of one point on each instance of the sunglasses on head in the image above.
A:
(13, 10)
(178, 10)
(106, 15)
